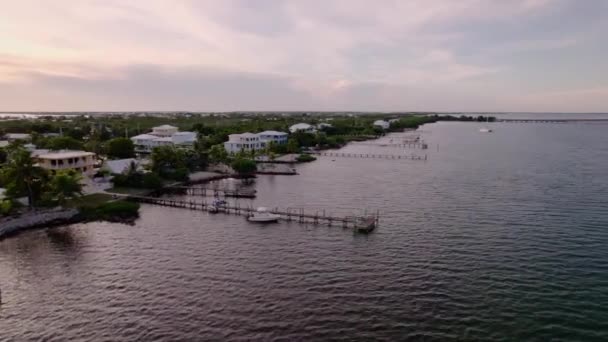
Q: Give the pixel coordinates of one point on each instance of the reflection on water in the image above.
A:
(496, 237)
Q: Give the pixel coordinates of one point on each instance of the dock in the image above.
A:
(360, 224)
(420, 145)
(211, 192)
(371, 156)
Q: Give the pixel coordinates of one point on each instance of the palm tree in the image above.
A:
(22, 175)
(64, 185)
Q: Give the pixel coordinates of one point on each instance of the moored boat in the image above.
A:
(263, 215)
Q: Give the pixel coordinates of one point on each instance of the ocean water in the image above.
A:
(500, 236)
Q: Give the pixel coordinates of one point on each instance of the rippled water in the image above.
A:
(500, 236)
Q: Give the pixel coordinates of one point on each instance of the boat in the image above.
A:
(485, 129)
(263, 215)
(217, 205)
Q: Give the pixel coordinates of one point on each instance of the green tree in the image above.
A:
(218, 154)
(65, 185)
(293, 146)
(244, 166)
(121, 148)
(94, 145)
(20, 175)
(3, 156)
(64, 143)
(169, 162)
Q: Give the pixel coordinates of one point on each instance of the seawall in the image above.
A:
(34, 219)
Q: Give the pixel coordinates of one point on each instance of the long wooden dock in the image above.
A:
(211, 192)
(362, 224)
(371, 156)
(420, 145)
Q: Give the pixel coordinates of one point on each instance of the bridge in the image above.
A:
(561, 121)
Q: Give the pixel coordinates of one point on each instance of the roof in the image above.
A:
(300, 126)
(65, 154)
(164, 139)
(165, 127)
(17, 135)
(144, 137)
(248, 135)
(380, 122)
(184, 133)
(272, 133)
(4, 143)
(120, 165)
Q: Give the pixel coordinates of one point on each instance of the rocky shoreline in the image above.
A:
(36, 219)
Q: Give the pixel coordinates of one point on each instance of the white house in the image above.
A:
(252, 141)
(323, 125)
(382, 124)
(164, 130)
(160, 136)
(302, 127)
(80, 161)
(17, 136)
(119, 166)
(242, 142)
(273, 136)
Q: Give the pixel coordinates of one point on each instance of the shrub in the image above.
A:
(304, 158)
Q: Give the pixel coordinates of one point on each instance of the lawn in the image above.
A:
(92, 200)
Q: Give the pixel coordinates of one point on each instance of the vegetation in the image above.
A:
(243, 166)
(120, 148)
(64, 185)
(20, 176)
(305, 158)
(115, 211)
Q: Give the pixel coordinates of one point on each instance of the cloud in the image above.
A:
(319, 53)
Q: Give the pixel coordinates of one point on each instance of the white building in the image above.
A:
(17, 136)
(161, 136)
(252, 141)
(274, 136)
(164, 130)
(382, 124)
(119, 166)
(242, 142)
(302, 127)
(80, 161)
(323, 125)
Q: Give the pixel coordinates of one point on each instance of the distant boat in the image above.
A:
(262, 215)
(486, 129)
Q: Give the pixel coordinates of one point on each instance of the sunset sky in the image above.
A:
(223, 55)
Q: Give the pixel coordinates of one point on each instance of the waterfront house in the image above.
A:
(382, 124)
(17, 136)
(119, 166)
(80, 161)
(253, 141)
(302, 127)
(164, 130)
(242, 142)
(161, 136)
(278, 138)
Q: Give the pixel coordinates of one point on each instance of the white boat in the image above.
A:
(486, 129)
(262, 215)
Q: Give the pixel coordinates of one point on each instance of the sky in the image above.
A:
(289, 55)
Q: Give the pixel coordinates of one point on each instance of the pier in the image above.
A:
(361, 224)
(420, 145)
(371, 156)
(212, 192)
(562, 121)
